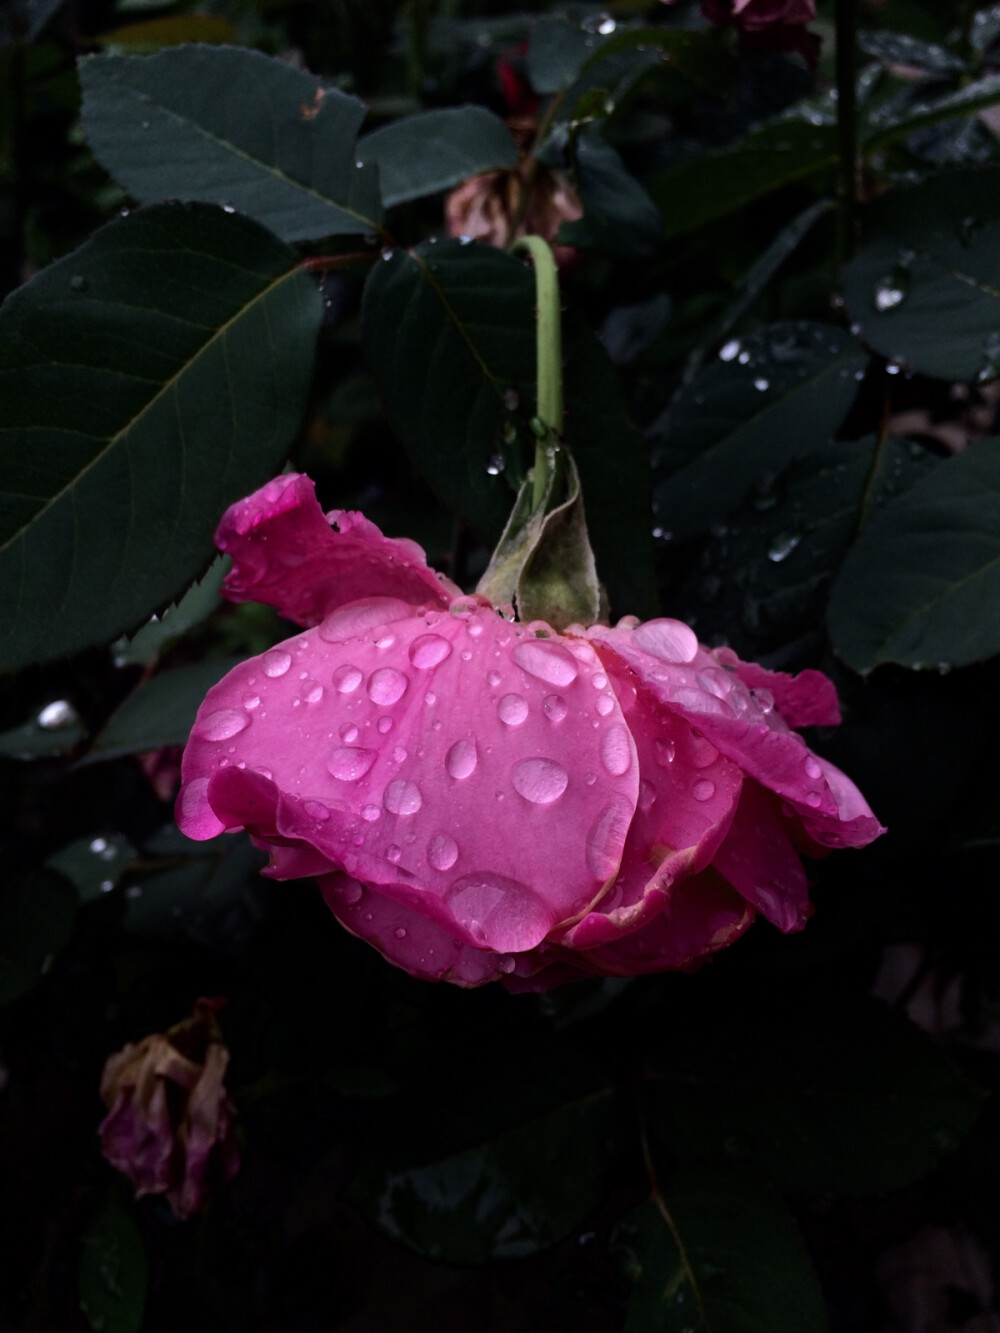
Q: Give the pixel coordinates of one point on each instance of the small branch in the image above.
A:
(548, 352)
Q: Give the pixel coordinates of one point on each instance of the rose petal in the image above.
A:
(806, 700)
(286, 554)
(759, 860)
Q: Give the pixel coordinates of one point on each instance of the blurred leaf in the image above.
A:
(899, 48)
(94, 865)
(557, 52)
(883, 127)
(234, 127)
(214, 900)
(697, 57)
(55, 729)
(170, 30)
(434, 150)
(114, 1271)
(717, 1254)
(714, 185)
(618, 215)
(925, 288)
(831, 1098)
(37, 915)
(197, 604)
(21, 21)
(922, 586)
(161, 711)
(160, 371)
(449, 334)
(772, 398)
(509, 1196)
(630, 329)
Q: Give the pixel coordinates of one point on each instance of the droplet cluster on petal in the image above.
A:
(483, 799)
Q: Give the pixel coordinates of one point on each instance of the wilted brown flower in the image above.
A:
(170, 1123)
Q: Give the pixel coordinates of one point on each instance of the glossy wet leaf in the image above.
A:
(161, 371)
(234, 127)
(884, 127)
(900, 48)
(214, 901)
(922, 586)
(557, 52)
(434, 150)
(200, 600)
(114, 1271)
(716, 1254)
(618, 215)
(37, 915)
(509, 1196)
(832, 1099)
(767, 401)
(94, 864)
(54, 729)
(925, 287)
(160, 711)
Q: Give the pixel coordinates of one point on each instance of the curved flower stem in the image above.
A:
(847, 122)
(548, 345)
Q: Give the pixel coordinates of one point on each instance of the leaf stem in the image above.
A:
(847, 122)
(326, 262)
(548, 352)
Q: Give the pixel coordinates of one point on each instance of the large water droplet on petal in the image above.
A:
(461, 759)
(616, 751)
(813, 769)
(347, 678)
(219, 726)
(316, 810)
(548, 661)
(541, 781)
(276, 662)
(311, 692)
(512, 709)
(357, 618)
(670, 640)
(703, 790)
(386, 686)
(429, 651)
(348, 763)
(402, 797)
(442, 851)
(349, 891)
(498, 912)
(554, 707)
(606, 838)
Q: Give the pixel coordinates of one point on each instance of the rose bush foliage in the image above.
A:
(485, 799)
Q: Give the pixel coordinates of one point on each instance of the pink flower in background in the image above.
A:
(483, 799)
(774, 25)
(170, 1124)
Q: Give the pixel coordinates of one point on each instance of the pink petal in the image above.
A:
(688, 794)
(806, 700)
(462, 766)
(831, 809)
(286, 554)
(759, 860)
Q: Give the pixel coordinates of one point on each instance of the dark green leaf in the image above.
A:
(197, 604)
(114, 1271)
(434, 150)
(717, 1254)
(715, 185)
(770, 399)
(37, 915)
(161, 711)
(832, 1099)
(618, 215)
(922, 586)
(94, 865)
(899, 48)
(55, 729)
(557, 52)
(449, 332)
(925, 289)
(22, 20)
(234, 127)
(213, 900)
(509, 1196)
(697, 57)
(881, 129)
(160, 373)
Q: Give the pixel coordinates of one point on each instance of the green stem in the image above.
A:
(847, 122)
(548, 351)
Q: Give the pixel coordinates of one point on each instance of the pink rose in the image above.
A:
(170, 1123)
(484, 799)
(772, 25)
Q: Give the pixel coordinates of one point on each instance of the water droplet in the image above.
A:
(219, 726)
(399, 754)
(729, 350)
(430, 698)
(493, 679)
(348, 733)
(386, 686)
(358, 618)
(276, 663)
(814, 799)
(512, 710)
(647, 795)
(605, 705)
(369, 813)
(716, 682)
(402, 797)
(251, 701)
(540, 781)
(783, 546)
(761, 384)
(400, 932)
(547, 661)
(393, 852)
(78, 282)
(606, 838)
(812, 768)
(311, 692)
(349, 763)
(316, 810)
(669, 640)
(56, 715)
(506, 964)
(616, 751)
(666, 752)
(442, 851)
(494, 465)
(347, 678)
(603, 24)
(554, 707)
(461, 759)
(384, 726)
(599, 680)
(429, 651)
(703, 790)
